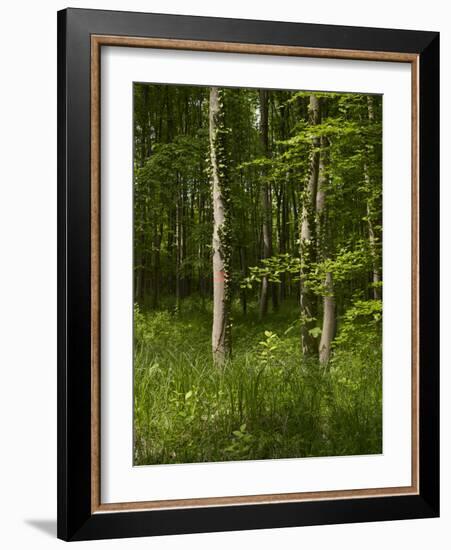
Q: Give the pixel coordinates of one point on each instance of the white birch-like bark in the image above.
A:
(307, 300)
(266, 204)
(329, 320)
(328, 330)
(371, 233)
(220, 310)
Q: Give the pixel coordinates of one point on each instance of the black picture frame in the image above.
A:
(75, 518)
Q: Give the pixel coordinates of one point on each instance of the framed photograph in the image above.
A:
(248, 274)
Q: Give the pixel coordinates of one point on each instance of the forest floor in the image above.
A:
(267, 403)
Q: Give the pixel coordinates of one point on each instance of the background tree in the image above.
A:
(307, 233)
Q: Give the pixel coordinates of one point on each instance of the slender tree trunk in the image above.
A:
(156, 265)
(376, 276)
(285, 243)
(139, 266)
(145, 137)
(307, 298)
(147, 273)
(183, 273)
(220, 245)
(329, 320)
(265, 199)
(281, 222)
(200, 251)
(178, 251)
(372, 239)
(243, 267)
(328, 330)
(272, 286)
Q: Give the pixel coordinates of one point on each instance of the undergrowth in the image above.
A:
(266, 403)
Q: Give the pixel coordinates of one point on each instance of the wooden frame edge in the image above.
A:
(253, 499)
(235, 47)
(415, 255)
(95, 276)
(228, 47)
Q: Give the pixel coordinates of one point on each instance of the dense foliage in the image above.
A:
(282, 190)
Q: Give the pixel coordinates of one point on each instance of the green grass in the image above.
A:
(266, 403)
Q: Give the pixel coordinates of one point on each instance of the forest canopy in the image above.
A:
(257, 273)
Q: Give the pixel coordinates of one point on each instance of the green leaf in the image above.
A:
(315, 332)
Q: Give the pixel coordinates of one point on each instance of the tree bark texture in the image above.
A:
(376, 276)
(220, 328)
(329, 319)
(328, 330)
(266, 286)
(307, 298)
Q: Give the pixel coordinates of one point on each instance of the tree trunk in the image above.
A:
(329, 321)
(156, 265)
(307, 299)
(243, 267)
(372, 238)
(220, 245)
(369, 214)
(200, 252)
(178, 252)
(328, 331)
(266, 201)
(281, 232)
(272, 286)
(139, 245)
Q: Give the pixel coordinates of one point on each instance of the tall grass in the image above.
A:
(266, 403)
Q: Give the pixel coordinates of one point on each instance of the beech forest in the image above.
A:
(257, 274)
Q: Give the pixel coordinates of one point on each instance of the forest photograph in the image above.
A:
(257, 274)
